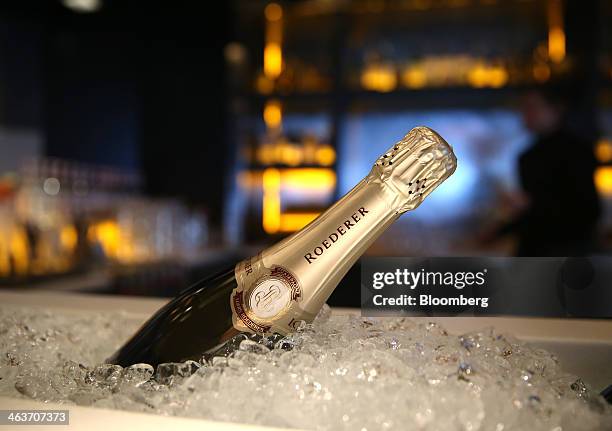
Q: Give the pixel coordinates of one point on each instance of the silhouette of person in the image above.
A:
(562, 207)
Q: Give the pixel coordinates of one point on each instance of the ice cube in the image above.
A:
(137, 374)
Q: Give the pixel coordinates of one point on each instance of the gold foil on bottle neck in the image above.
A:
(414, 167)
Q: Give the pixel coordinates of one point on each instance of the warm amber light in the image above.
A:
(248, 179)
(271, 208)
(266, 154)
(603, 180)
(483, 75)
(295, 221)
(108, 235)
(309, 178)
(556, 35)
(380, 77)
(556, 44)
(273, 60)
(603, 151)
(498, 76)
(273, 12)
(273, 114)
(19, 251)
(541, 72)
(421, 4)
(326, 155)
(290, 154)
(414, 77)
(273, 219)
(285, 152)
(478, 77)
(5, 259)
(273, 53)
(282, 152)
(264, 84)
(68, 238)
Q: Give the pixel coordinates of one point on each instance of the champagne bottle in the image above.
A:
(288, 283)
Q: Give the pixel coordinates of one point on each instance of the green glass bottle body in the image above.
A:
(195, 323)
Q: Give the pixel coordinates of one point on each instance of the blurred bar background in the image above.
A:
(145, 144)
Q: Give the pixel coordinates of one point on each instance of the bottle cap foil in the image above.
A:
(414, 167)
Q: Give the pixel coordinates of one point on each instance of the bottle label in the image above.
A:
(266, 299)
(288, 283)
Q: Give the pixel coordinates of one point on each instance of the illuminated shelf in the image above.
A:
(423, 98)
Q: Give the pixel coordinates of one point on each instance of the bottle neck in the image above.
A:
(321, 253)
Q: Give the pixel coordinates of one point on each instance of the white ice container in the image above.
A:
(584, 348)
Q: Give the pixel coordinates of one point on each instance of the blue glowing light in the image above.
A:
(486, 143)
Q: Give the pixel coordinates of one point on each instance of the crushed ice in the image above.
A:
(341, 372)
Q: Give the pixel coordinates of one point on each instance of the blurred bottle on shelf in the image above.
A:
(41, 209)
(59, 216)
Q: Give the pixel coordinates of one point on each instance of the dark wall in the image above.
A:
(92, 108)
(20, 71)
(184, 102)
